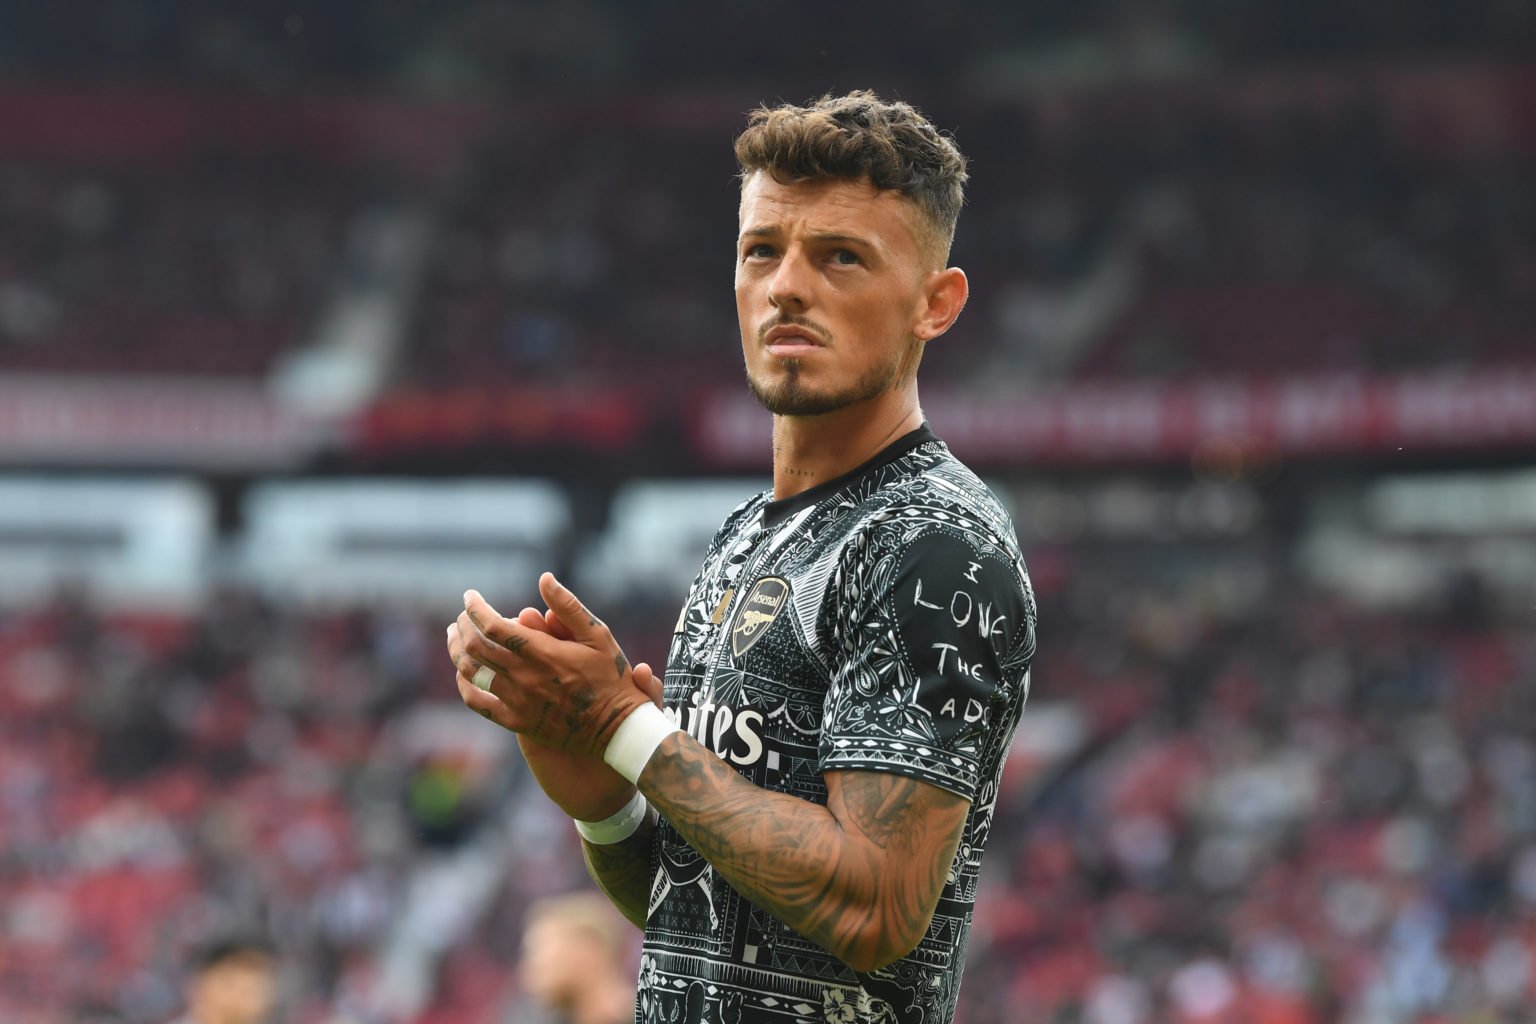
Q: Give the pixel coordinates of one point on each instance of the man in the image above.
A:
(852, 660)
(234, 981)
(574, 954)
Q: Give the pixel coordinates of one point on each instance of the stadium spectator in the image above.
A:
(234, 981)
(1291, 799)
(576, 961)
(214, 267)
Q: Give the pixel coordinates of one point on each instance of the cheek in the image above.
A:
(747, 313)
(879, 325)
(893, 310)
(750, 289)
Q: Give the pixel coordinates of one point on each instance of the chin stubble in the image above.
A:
(790, 398)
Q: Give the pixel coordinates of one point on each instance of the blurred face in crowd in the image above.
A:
(836, 292)
(240, 989)
(559, 958)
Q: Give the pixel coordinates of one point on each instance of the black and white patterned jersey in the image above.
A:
(882, 621)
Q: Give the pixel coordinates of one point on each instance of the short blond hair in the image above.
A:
(586, 912)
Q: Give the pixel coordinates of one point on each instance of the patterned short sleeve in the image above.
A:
(934, 629)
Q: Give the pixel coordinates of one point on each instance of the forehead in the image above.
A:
(854, 207)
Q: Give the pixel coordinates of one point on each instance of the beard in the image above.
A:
(789, 395)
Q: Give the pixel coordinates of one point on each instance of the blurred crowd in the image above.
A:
(1236, 798)
(456, 46)
(1302, 240)
(214, 268)
(591, 244)
(1105, 244)
(169, 779)
(594, 249)
(1293, 808)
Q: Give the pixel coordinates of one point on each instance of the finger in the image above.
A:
(486, 705)
(480, 675)
(556, 626)
(480, 649)
(510, 634)
(583, 625)
(491, 682)
(648, 682)
(512, 645)
(479, 609)
(465, 671)
(534, 619)
(462, 662)
(486, 664)
(479, 599)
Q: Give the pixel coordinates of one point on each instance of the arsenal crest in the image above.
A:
(756, 613)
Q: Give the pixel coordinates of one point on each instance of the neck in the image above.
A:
(810, 450)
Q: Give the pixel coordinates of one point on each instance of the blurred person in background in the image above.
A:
(847, 673)
(575, 962)
(234, 981)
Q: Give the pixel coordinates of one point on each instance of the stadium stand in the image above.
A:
(1290, 225)
(1277, 767)
(1239, 795)
(1312, 236)
(214, 269)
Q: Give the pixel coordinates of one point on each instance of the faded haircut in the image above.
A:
(860, 137)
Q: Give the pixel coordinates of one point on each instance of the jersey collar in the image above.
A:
(776, 512)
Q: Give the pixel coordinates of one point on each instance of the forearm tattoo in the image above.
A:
(865, 891)
(623, 871)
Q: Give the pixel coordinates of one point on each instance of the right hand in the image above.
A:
(583, 787)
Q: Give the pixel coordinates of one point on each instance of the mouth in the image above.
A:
(790, 341)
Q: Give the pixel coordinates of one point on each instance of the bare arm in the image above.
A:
(623, 871)
(860, 876)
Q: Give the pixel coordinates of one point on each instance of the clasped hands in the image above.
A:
(558, 678)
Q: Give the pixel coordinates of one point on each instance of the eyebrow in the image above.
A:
(820, 236)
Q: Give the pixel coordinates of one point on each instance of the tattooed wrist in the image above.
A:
(623, 870)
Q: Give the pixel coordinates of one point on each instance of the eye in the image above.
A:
(846, 257)
(761, 250)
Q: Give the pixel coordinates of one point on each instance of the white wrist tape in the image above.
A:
(616, 827)
(636, 740)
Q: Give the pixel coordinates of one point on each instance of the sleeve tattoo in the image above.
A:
(623, 870)
(860, 876)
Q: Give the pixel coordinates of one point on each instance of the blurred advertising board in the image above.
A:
(1125, 422)
(50, 420)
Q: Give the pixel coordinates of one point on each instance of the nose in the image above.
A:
(790, 286)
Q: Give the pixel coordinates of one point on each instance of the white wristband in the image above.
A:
(636, 740)
(616, 827)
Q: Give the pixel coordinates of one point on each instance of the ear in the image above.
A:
(944, 295)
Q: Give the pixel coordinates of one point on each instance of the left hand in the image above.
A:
(568, 694)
